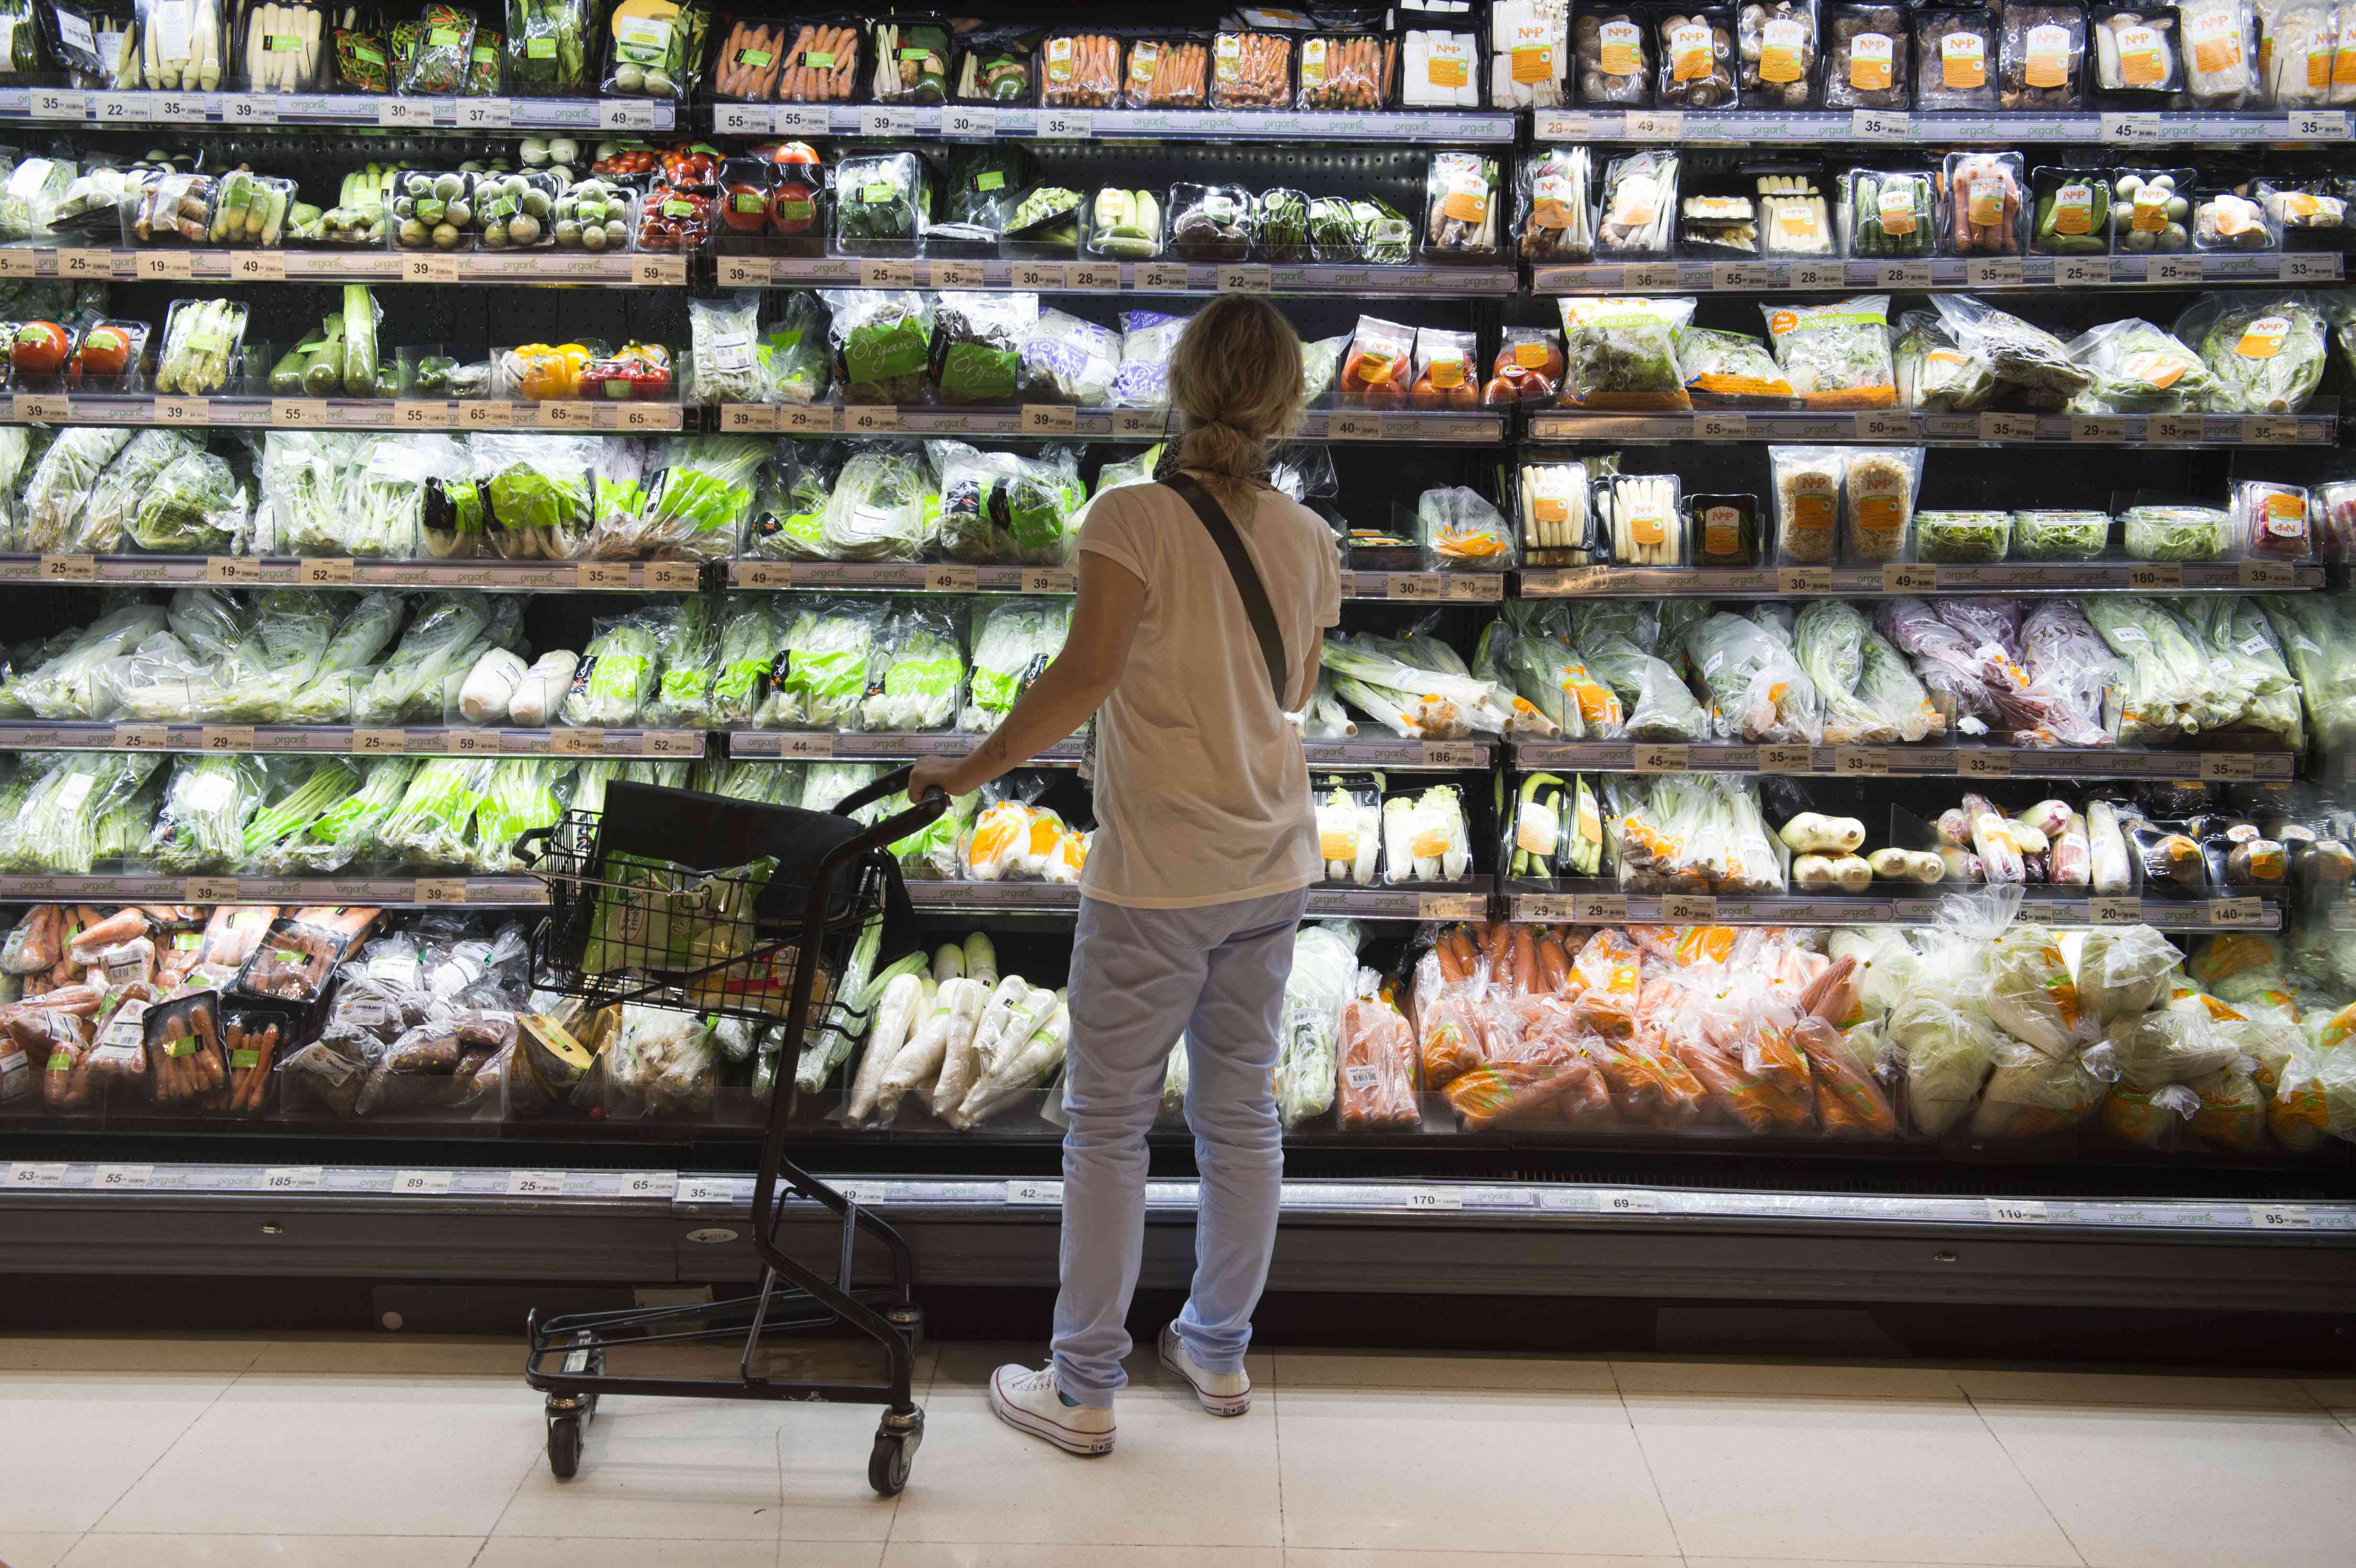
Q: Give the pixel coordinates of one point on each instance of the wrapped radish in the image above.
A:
(2107, 849)
(2072, 858)
(1995, 849)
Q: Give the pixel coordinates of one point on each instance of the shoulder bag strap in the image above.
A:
(1246, 576)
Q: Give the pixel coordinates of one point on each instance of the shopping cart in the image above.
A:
(765, 936)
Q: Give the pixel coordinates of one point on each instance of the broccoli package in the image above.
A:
(977, 344)
(881, 344)
(1005, 507)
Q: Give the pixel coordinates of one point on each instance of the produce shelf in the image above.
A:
(343, 265)
(900, 576)
(1463, 901)
(1964, 761)
(982, 122)
(1057, 421)
(360, 888)
(1412, 756)
(796, 745)
(344, 739)
(2311, 429)
(1916, 906)
(1867, 581)
(291, 572)
(2071, 273)
(245, 412)
(467, 116)
(2121, 130)
(757, 271)
(1425, 587)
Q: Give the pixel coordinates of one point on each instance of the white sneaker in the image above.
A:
(1026, 1399)
(1222, 1394)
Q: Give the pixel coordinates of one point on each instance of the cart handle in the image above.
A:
(915, 820)
(530, 849)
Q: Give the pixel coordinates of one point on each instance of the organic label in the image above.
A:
(2216, 32)
(1962, 61)
(1689, 52)
(2150, 213)
(1449, 63)
(1142, 58)
(1783, 43)
(1869, 55)
(1532, 63)
(2263, 338)
(2160, 370)
(2049, 55)
(1313, 63)
(1531, 355)
(2141, 64)
(1722, 529)
(1449, 372)
(1622, 46)
(1987, 203)
(2073, 210)
(1898, 211)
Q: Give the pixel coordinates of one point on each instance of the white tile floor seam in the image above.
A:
(1666, 1512)
(2026, 1480)
(160, 1458)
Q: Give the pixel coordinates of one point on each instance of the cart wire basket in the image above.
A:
(673, 899)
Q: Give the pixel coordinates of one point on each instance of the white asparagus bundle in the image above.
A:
(1554, 506)
(1641, 520)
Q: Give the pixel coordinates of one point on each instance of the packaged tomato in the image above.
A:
(1379, 366)
(674, 220)
(634, 158)
(692, 167)
(40, 348)
(111, 349)
(793, 201)
(1529, 367)
(746, 184)
(1446, 371)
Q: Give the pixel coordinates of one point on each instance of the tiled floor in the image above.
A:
(384, 1452)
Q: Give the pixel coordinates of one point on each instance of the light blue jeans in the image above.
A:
(1141, 977)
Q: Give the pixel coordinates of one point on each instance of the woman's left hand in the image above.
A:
(932, 774)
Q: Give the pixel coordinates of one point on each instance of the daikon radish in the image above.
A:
(541, 690)
(891, 1034)
(949, 963)
(490, 686)
(982, 959)
(959, 1064)
(1040, 1055)
(1005, 1074)
(919, 1060)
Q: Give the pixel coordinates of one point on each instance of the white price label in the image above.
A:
(1688, 907)
(485, 113)
(1819, 275)
(1993, 272)
(762, 574)
(1066, 124)
(183, 410)
(1628, 1201)
(1912, 579)
(799, 747)
(535, 1183)
(2101, 431)
(115, 107)
(1169, 276)
(225, 738)
(1653, 275)
(1879, 125)
(58, 103)
(421, 1183)
(1661, 760)
(588, 742)
(614, 115)
(1353, 427)
(1721, 427)
(440, 889)
(952, 580)
(2083, 272)
(2280, 1216)
(1656, 126)
(1049, 419)
(31, 407)
(2236, 911)
(2319, 125)
(672, 576)
(2309, 267)
(1431, 1198)
(2173, 270)
(1908, 275)
(870, 419)
(2036, 911)
(1974, 763)
(1146, 423)
(469, 743)
(2262, 431)
(1787, 759)
(160, 266)
(663, 1184)
(959, 275)
(2142, 129)
(738, 419)
(1048, 580)
(565, 414)
(803, 418)
(2017, 1211)
(69, 568)
(1860, 762)
(2176, 430)
(2231, 767)
(887, 274)
(298, 410)
(257, 267)
(1036, 277)
(123, 1178)
(406, 112)
(668, 272)
(1450, 906)
(706, 1190)
(1035, 1193)
(606, 575)
(1099, 276)
(674, 743)
(379, 742)
(37, 1173)
(421, 413)
(209, 890)
(1804, 579)
(801, 119)
(1243, 279)
(425, 267)
(2008, 427)
(1884, 424)
(2115, 911)
(1598, 908)
(744, 273)
(878, 121)
(2152, 576)
(959, 122)
(292, 1179)
(2264, 574)
(649, 416)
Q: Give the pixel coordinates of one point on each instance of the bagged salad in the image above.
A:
(1837, 356)
(2266, 351)
(1621, 353)
(1007, 507)
(882, 342)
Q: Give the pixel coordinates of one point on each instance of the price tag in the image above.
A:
(706, 1190)
(1242, 279)
(1098, 276)
(673, 743)
(952, 580)
(672, 576)
(1973, 762)
(292, 1179)
(2233, 767)
(58, 103)
(1688, 907)
(257, 267)
(421, 1183)
(2263, 432)
(603, 574)
(2280, 1216)
(421, 413)
(1165, 275)
(1067, 124)
(116, 108)
(1656, 126)
(1859, 761)
(870, 419)
(407, 112)
(2008, 427)
(2173, 270)
(663, 1184)
(34, 409)
(798, 747)
(1910, 579)
(2236, 911)
(746, 273)
(1993, 272)
(37, 1173)
(1144, 423)
(2308, 266)
(801, 119)
(1430, 1198)
(2176, 430)
(612, 115)
(1884, 424)
(975, 122)
(2036, 911)
(439, 890)
(159, 266)
(878, 121)
(887, 274)
(2153, 576)
(142, 737)
(739, 418)
(1819, 275)
(69, 568)
(379, 742)
(1804, 579)
(2115, 911)
(2101, 431)
(565, 414)
(485, 113)
(183, 410)
(1416, 587)
(298, 410)
(1721, 427)
(649, 416)
(762, 574)
(18, 262)
(535, 1183)
(1048, 580)
(123, 1178)
(1908, 275)
(2142, 129)
(2319, 125)
(1599, 909)
(576, 743)
(1630, 1201)
(1037, 276)
(1787, 759)
(1662, 760)
(1879, 125)
(670, 273)
(807, 418)
(209, 891)
(1453, 754)
(2083, 272)
(959, 275)
(225, 738)
(2019, 1211)
(2264, 574)
(1036, 1194)
(426, 267)
(1475, 588)
(1049, 419)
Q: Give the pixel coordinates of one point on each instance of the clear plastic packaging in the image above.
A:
(169, 209)
(1461, 205)
(1837, 356)
(2042, 57)
(1426, 837)
(281, 49)
(1441, 66)
(2220, 52)
(1554, 511)
(1641, 518)
(2151, 210)
(1869, 57)
(750, 60)
(1877, 504)
(1529, 54)
(515, 211)
(911, 60)
(1620, 353)
(1640, 205)
(2060, 535)
(1529, 367)
(1446, 371)
(2266, 351)
(1730, 371)
(822, 64)
(1209, 223)
(1080, 71)
(2163, 532)
(1167, 73)
(880, 202)
(2072, 212)
(2224, 221)
(996, 65)
(1893, 214)
(202, 340)
(433, 210)
(1985, 213)
(1124, 223)
(1696, 59)
(1807, 502)
(1963, 537)
(1557, 210)
(2138, 58)
(1380, 366)
(1460, 532)
(1956, 52)
(2272, 519)
(1611, 49)
(1251, 70)
(1723, 532)
(442, 43)
(179, 46)
(1794, 219)
(1777, 50)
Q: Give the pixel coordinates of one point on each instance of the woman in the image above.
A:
(1205, 845)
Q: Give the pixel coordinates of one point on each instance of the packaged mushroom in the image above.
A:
(2220, 52)
(2136, 59)
(1558, 209)
(1614, 55)
(1954, 55)
(1697, 59)
(2296, 51)
(1866, 61)
(2040, 56)
(1778, 52)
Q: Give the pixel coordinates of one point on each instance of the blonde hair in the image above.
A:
(1236, 377)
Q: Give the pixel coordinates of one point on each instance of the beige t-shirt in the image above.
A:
(1202, 792)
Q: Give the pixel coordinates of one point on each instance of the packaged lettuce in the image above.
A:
(2137, 368)
(2060, 536)
(1621, 353)
(2266, 351)
(1005, 506)
(917, 674)
(977, 349)
(882, 341)
(1837, 356)
(1961, 538)
(881, 508)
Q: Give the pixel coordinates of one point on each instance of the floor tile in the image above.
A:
(1903, 1481)
(965, 1367)
(1771, 1380)
(661, 1468)
(2135, 1387)
(1465, 1471)
(71, 1444)
(1176, 1478)
(28, 1549)
(438, 1456)
(815, 1555)
(102, 1551)
(196, 1354)
(396, 1355)
(926, 1554)
(2152, 1488)
(1325, 1557)
(558, 1552)
(2337, 1392)
(1375, 1370)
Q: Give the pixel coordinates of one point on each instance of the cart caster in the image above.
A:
(564, 1446)
(895, 1455)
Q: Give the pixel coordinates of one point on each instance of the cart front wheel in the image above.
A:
(889, 1462)
(564, 1446)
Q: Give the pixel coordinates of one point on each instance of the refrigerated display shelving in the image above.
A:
(1175, 277)
(2318, 427)
(101, 110)
(2072, 274)
(258, 264)
(345, 739)
(1925, 761)
(316, 572)
(408, 890)
(982, 122)
(1054, 422)
(244, 411)
(2117, 129)
(1918, 577)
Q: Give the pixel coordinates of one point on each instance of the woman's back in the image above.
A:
(1202, 795)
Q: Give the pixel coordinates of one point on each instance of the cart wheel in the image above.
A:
(564, 1446)
(889, 1462)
